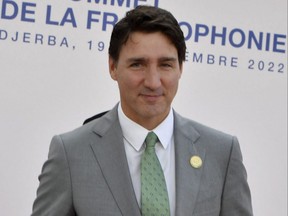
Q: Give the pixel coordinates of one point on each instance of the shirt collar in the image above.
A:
(135, 134)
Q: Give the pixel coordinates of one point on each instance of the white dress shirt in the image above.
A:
(134, 136)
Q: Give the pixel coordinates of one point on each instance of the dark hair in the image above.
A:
(147, 19)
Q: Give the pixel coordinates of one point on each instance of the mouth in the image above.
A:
(151, 97)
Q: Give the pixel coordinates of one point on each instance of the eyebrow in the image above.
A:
(142, 59)
(168, 59)
(135, 59)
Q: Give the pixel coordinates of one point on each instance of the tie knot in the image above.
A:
(151, 139)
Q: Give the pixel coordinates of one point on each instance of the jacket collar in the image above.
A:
(188, 178)
(108, 148)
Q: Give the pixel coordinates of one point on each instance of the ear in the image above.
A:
(181, 69)
(112, 68)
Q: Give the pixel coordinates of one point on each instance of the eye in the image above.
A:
(166, 65)
(135, 65)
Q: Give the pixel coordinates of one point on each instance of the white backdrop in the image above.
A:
(54, 75)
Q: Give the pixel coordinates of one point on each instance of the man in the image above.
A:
(103, 167)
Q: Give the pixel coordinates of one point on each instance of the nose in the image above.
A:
(152, 78)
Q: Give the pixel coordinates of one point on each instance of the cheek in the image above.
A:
(128, 83)
(171, 83)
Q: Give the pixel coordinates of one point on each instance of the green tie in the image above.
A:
(154, 196)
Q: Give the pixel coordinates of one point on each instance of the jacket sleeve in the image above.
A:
(236, 198)
(54, 194)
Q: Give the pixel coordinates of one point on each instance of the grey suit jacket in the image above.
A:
(87, 174)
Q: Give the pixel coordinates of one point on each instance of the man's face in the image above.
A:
(147, 72)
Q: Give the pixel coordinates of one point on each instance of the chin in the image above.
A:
(154, 111)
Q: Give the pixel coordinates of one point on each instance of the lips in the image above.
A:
(151, 97)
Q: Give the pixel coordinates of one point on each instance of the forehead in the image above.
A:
(144, 44)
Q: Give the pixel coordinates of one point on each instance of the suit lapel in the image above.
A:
(109, 151)
(188, 178)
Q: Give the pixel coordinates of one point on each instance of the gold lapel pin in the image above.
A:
(196, 161)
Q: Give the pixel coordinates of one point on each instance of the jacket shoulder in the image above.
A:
(187, 126)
